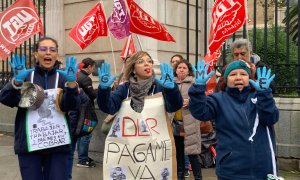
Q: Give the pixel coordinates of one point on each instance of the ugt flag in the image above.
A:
(142, 23)
(227, 17)
(92, 25)
(118, 22)
(17, 24)
(128, 48)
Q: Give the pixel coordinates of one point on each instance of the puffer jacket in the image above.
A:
(243, 121)
(192, 138)
(45, 79)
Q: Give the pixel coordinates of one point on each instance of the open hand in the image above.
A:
(167, 76)
(71, 68)
(201, 73)
(104, 76)
(19, 68)
(263, 79)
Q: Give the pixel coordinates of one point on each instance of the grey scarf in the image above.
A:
(138, 91)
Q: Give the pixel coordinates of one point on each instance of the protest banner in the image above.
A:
(140, 145)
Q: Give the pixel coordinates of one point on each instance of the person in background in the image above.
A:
(174, 60)
(85, 82)
(244, 120)
(189, 142)
(43, 163)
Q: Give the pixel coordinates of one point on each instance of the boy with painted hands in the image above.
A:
(244, 120)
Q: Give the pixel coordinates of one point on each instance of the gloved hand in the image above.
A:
(263, 79)
(167, 76)
(104, 76)
(19, 68)
(71, 69)
(201, 73)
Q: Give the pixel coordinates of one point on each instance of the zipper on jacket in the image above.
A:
(246, 119)
(46, 80)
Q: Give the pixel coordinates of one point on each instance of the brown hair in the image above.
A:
(189, 65)
(131, 62)
(176, 55)
(88, 61)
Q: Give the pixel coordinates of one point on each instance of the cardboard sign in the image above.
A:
(140, 145)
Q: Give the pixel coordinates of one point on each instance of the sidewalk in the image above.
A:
(9, 167)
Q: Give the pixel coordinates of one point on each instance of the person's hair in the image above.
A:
(129, 69)
(189, 65)
(240, 43)
(176, 55)
(88, 61)
(37, 44)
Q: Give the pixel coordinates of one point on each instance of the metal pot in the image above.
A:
(32, 96)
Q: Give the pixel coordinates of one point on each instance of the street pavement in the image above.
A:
(9, 168)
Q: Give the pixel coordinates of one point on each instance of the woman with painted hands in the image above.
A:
(140, 82)
(244, 120)
(42, 139)
(189, 141)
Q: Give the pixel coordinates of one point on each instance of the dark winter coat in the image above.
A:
(235, 112)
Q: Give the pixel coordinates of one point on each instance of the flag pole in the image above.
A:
(138, 38)
(110, 40)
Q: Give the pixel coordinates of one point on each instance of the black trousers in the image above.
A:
(194, 160)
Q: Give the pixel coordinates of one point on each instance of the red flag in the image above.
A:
(118, 22)
(227, 17)
(142, 23)
(92, 25)
(129, 48)
(17, 24)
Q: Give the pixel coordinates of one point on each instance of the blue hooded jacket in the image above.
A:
(243, 149)
(45, 79)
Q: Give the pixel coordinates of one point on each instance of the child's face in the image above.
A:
(238, 78)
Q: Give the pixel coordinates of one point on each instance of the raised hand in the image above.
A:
(71, 68)
(201, 73)
(263, 79)
(104, 76)
(167, 76)
(19, 68)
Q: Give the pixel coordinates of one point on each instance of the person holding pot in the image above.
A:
(42, 138)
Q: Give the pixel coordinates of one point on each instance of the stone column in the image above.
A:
(55, 22)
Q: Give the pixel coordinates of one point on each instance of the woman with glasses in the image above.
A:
(132, 100)
(42, 136)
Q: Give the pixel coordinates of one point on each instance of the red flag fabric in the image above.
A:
(129, 48)
(92, 25)
(17, 24)
(227, 17)
(118, 22)
(142, 23)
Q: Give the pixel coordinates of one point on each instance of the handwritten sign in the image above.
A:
(140, 145)
(46, 127)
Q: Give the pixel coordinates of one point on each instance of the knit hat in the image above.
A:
(239, 64)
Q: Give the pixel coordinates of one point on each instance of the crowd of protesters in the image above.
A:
(243, 109)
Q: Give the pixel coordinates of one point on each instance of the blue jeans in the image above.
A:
(186, 161)
(83, 147)
(70, 159)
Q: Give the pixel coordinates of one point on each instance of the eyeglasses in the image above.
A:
(142, 61)
(46, 49)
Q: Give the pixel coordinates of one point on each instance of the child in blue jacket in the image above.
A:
(244, 120)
